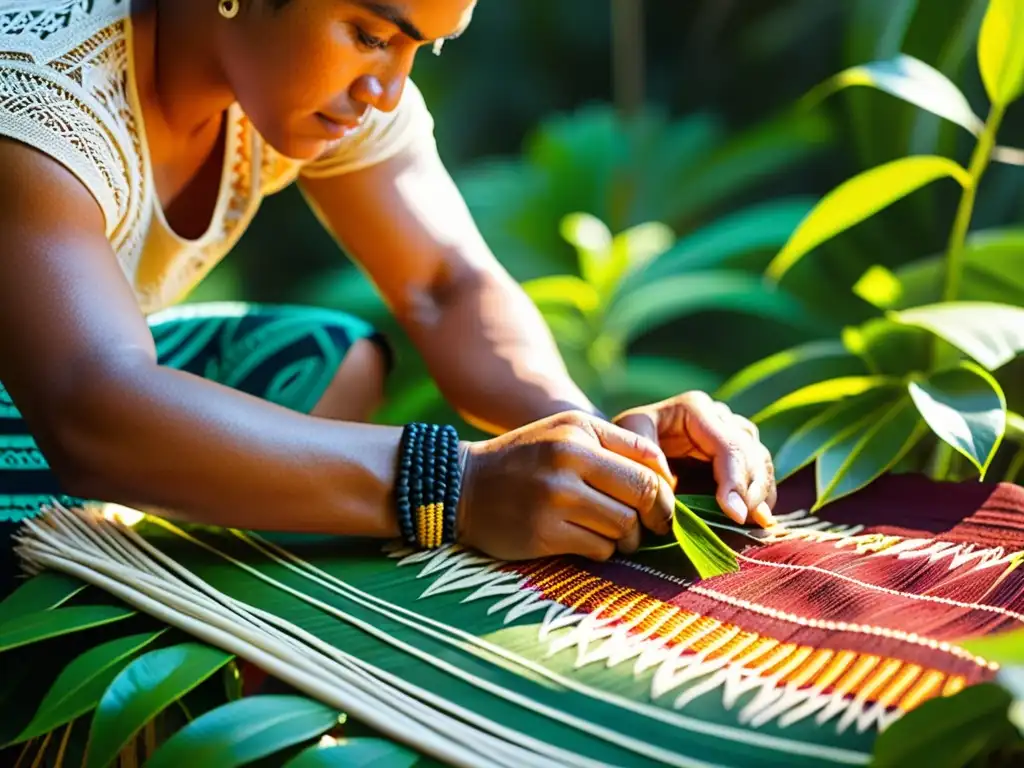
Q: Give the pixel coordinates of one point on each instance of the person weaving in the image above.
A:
(137, 140)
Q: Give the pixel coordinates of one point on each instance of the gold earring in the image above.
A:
(229, 8)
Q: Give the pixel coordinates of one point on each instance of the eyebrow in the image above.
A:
(394, 15)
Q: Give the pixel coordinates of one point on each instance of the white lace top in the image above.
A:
(67, 88)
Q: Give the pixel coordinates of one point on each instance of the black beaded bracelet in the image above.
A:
(428, 484)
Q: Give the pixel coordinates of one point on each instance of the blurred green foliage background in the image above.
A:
(534, 125)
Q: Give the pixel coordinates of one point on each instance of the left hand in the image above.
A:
(692, 425)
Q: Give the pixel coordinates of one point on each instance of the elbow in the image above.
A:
(85, 429)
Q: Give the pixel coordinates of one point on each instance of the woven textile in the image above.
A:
(833, 628)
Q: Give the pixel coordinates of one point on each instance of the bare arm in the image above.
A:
(78, 359)
(483, 340)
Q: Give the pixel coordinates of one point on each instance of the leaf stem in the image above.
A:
(1016, 467)
(958, 238)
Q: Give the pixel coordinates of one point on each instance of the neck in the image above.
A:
(180, 69)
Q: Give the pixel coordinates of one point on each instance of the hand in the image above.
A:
(570, 484)
(695, 426)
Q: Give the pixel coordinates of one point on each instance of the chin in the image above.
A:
(291, 143)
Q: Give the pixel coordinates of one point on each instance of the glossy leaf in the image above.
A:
(993, 270)
(563, 291)
(42, 592)
(35, 627)
(762, 383)
(1001, 51)
(145, 688)
(1015, 426)
(356, 753)
(827, 391)
(777, 429)
(890, 348)
(993, 334)
(864, 455)
(947, 731)
(860, 198)
(243, 731)
(709, 555)
(827, 428)
(913, 81)
(659, 302)
(1002, 647)
(82, 682)
(638, 246)
(760, 227)
(966, 408)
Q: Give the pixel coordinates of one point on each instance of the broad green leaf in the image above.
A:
(563, 290)
(650, 305)
(966, 408)
(43, 592)
(82, 682)
(760, 227)
(865, 454)
(890, 348)
(762, 383)
(1001, 51)
(827, 391)
(709, 555)
(947, 731)
(35, 627)
(593, 242)
(911, 80)
(827, 428)
(1002, 647)
(356, 753)
(245, 730)
(993, 334)
(145, 688)
(993, 270)
(858, 199)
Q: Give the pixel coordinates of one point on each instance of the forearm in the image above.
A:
(152, 437)
(493, 356)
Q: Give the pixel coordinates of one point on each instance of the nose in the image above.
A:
(383, 94)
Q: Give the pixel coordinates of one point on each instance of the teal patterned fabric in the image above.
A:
(285, 354)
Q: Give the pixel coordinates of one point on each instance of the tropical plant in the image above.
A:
(917, 386)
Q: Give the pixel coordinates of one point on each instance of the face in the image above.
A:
(307, 71)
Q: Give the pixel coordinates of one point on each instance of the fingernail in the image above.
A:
(763, 515)
(737, 507)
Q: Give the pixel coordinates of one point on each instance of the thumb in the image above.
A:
(639, 444)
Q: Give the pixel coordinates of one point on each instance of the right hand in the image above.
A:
(570, 484)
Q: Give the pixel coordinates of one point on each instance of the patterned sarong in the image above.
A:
(832, 629)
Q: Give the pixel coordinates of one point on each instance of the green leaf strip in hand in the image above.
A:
(860, 198)
(1001, 51)
(145, 688)
(709, 554)
(244, 731)
(35, 627)
(966, 408)
(911, 80)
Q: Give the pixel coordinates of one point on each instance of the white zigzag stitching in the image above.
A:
(602, 636)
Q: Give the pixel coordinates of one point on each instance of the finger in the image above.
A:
(570, 539)
(603, 515)
(757, 493)
(732, 478)
(635, 445)
(634, 485)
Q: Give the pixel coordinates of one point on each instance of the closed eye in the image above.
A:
(369, 41)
